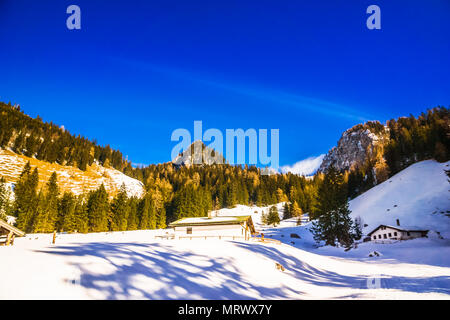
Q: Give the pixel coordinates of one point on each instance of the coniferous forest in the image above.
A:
(173, 192)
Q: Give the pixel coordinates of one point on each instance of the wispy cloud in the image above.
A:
(304, 167)
(281, 98)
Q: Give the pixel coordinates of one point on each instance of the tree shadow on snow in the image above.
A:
(304, 271)
(165, 273)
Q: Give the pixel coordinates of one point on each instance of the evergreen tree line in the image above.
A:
(48, 142)
(416, 139)
(47, 210)
(194, 190)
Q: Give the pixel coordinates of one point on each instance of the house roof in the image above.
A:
(402, 228)
(221, 220)
(8, 227)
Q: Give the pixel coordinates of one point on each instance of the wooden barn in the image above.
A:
(8, 233)
(222, 226)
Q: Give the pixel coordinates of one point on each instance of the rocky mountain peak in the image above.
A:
(199, 153)
(355, 146)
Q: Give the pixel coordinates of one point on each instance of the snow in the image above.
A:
(417, 196)
(253, 211)
(11, 220)
(134, 187)
(136, 265)
(204, 219)
(140, 265)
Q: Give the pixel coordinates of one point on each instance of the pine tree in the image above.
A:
(67, 218)
(357, 228)
(144, 213)
(333, 223)
(286, 211)
(98, 210)
(296, 211)
(331, 194)
(47, 213)
(26, 199)
(335, 227)
(120, 210)
(52, 198)
(273, 217)
(133, 221)
(161, 219)
(81, 215)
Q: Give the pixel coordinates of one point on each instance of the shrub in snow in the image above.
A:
(375, 254)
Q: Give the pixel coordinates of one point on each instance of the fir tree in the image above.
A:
(333, 223)
(335, 227)
(26, 200)
(67, 218)
(47, 213)
(81, 215)
(133, 221)
(120, 210)
(273, 218)
(286, 211)
(144, 213)
(98, 210)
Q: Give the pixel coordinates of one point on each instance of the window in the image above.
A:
(408, 233)
(374, 237)
(395, 233)
(189, 230)
(379, 236)
(390, 235)
(385, 236)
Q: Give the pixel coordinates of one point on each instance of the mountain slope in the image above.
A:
(417, 196)
(69, 178)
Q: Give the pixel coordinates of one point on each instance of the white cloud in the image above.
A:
(304, 167)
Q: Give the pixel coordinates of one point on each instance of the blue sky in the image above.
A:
(137, 70)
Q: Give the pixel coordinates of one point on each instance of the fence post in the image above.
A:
(8, 239)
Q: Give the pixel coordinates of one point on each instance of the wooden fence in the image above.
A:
(220, 237)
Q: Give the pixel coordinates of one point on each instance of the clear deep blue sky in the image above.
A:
(137, 70)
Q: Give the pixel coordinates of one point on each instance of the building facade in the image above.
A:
(235, 226)
(384, 232)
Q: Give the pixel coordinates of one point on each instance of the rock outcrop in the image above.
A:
(198, 153)
(355, 146)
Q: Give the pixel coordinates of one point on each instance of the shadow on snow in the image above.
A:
(181, 278)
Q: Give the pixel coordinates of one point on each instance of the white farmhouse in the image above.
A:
(384, 232)
(223, 226)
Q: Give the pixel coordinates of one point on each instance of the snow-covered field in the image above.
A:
(135, 265)
(139, 265)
